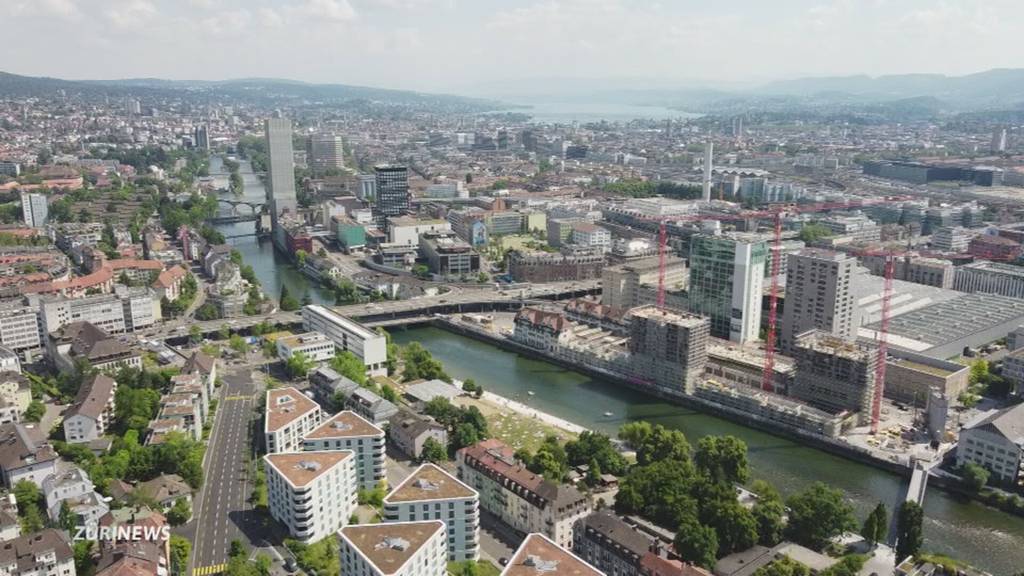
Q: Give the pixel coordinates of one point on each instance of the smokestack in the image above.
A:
(708, 160)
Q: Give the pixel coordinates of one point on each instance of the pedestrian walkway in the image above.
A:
(207, 570)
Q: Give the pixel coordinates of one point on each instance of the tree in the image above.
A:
(465, 435)
(238, 344)
(298, 365)
(84, 563)
(550, 461)
(909, 532)
(979, 370)
(696, 543)
(663, 444)
(784, 566)
(768, 513)
(288, 302)
(723, 459)
(635, 433)
(207, 312)
(350, 366)
(974, 477)
(876, 525)
(813, 232)
(734, 525)
(30, 502)
(817, 515)
(35, 411)
(66, 518)
(433, 451)
(388, 393)
(420, 364)
(850, 565)
(421, 271)
(590, 446)
(180, 513)
(195, 333)
(181, 549)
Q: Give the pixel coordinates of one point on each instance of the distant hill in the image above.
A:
(246, 89)
(993, 88)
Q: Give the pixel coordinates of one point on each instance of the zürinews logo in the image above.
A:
(133, 533)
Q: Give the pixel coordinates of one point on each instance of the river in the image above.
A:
(272, 269)
(984, 537)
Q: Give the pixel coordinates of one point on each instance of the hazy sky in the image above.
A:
(467, 45)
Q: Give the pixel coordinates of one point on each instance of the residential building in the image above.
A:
(132, 559)
(727, 283)
(81, 341)
(538, 554)
(168, 283)
(994, 248)
(327, 385)
(165, 490)
(311, 493)
(392, 189)
(15, 396)
(34, 209)
(369, 405)
(201, 137)
(280, 168)
(818, 295)
(605, 541)
(347, 430)
(447, 255)
(835, 375)
(543, 267)
(44, 553)
(524, 501)
(559, 230)
(430, 493)
(395, 549)
(326, 152)
(20, 327)
(92, 412)
(72, 486)
(409, 431)
(669, 350)
(313, 345)
(289, 416)
(997, 444)
(24, 457)
(368, 345)
(990, 278)
(9, 361)
(206, 367)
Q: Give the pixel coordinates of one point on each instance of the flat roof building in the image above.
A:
(834, 374)
(311, 493)
(288, 418)
(368, 345)
(668, 349)
(347, 430)
(538, 554)
(313, 345)
(727, 282)
(395, 549)
(430, 493)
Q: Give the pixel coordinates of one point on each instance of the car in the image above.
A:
(290, 565)
(503, 561)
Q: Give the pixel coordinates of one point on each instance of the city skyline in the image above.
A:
(422, 44)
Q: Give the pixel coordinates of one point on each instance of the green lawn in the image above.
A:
(520, 431)
(483, 568)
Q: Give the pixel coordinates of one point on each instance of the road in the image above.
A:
(222, 510)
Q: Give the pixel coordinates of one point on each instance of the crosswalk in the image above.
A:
(240, 397)
(207, 570)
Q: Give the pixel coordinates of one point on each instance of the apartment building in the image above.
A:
(347, 430)
(430, 493)
(289, 417)
(538, 554)
(521, 499)
(669, 350)
(997, 444)
(605, 541)
(91, 413)
(313, 345)
(394, 549)
(409, 431)
(818, 295)
(366, 344)
(835, 375)
(44, 553)
(591, 236)
(951, 239)
(24, 458)
(20, 327)
(313, 494)
(34, 209)
(128, 310)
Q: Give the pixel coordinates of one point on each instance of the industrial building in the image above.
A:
(991, 278)
(944, 329)
(835, 375)
(911, 377)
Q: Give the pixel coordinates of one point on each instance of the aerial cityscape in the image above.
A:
(312, 287)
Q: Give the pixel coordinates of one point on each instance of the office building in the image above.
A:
(395, 549)
(835, 375)
(591, 236)
(313, 345)
(368, 345)
(818, 295)
(367, 189)
(990, 278)
(538, 554)
(447, 255)
(326, 152)
(406, 230)
(313, 494)
(430, 493)
(521, 499)
(951, 239)
(201, 137)
(669, 350)
(129, 310)
(727, 283)
(635, 283)
(288, 418)
(996, 444)
(34, 209)
(543, 267)
(392, 188)
(280, 169)
(856, 227)
(20, 327)
(349, 431)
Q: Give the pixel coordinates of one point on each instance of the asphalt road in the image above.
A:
(223, 510)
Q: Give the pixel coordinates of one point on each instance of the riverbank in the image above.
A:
(840, 449)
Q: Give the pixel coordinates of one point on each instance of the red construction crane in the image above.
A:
(768, 375)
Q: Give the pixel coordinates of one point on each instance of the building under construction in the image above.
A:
(668, 349)
(835, 374)
(635, 283)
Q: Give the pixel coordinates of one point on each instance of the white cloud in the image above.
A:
(131, 15)
(326, 10)
(227, 23)
(269, 17)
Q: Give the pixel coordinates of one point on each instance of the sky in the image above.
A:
(490, 46)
